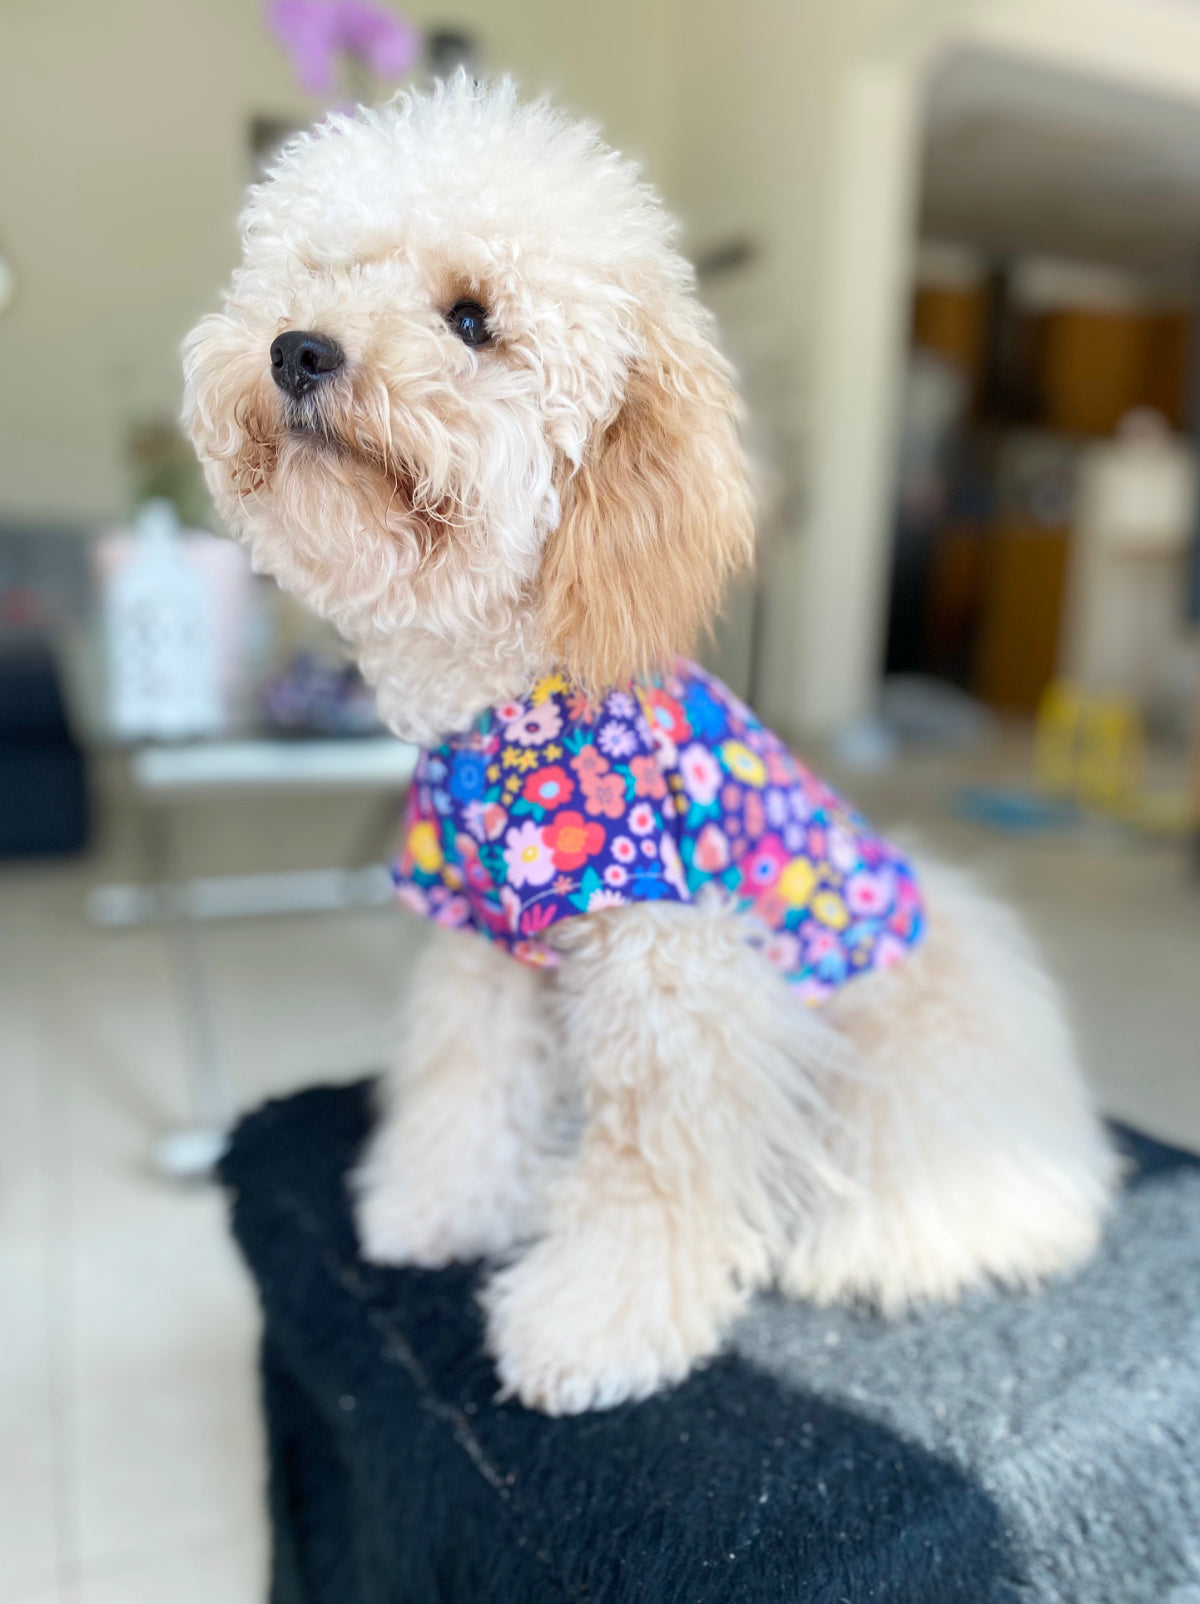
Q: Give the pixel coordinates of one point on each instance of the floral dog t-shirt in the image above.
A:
(553, 806)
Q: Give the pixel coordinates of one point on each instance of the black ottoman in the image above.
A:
(1018, 1448)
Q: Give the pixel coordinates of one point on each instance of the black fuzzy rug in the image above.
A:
(1034, 1448)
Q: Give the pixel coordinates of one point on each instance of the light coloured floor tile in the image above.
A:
(164, 1440)
(224, 1569)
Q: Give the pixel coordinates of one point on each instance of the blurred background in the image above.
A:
(954, 248)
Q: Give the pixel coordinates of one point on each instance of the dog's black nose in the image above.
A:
(300, 359)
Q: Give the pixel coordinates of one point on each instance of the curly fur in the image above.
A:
(659, 1128)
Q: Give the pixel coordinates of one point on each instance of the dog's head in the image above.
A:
(462, 400)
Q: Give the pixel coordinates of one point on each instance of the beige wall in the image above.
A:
(123, 154)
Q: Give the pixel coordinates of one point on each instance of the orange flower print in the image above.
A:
(647, 777)
(572, 840)
(589, 762)
(605, 796)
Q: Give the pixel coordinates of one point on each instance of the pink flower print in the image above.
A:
(754, 815)
(616, 739)
(588, 763)
(673, 867)
(622, 849)
(510, 712)
(605, 796)
(843, 854)
(537, 918)
(780, 769)
(888, 951)
(535, 725)
(647, 777)
(813, 991)
(650, 847)
(511, 906)
(701, 773)
(563, 884)
(783, 952)
(712, 850)
(731, 797)
(579, 709)
(641, 818)
(816, 842)
(473, 818)
(870, 893)
(535, 953)
(412, 897)
(762, 867)
(494, 820)
(801, 805)
(477, 876)
(454, 913)
(528, 856)
(616, 875)
(605, 897)
(821, 944)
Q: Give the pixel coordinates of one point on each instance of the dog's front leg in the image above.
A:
(699, 1120)
(458, 1166)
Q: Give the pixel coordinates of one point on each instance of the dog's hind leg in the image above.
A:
(703, 1135)
(967, 1129)
(472, 1112)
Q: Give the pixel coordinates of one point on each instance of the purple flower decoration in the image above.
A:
(316, 33)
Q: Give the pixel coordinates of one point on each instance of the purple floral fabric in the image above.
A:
(553, 806)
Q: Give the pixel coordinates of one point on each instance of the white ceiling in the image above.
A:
(1021, 160)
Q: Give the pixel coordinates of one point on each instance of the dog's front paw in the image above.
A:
(397, 1227)
(420, 1214)
(593, 1320)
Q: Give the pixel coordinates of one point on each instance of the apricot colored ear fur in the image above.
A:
(654, 521)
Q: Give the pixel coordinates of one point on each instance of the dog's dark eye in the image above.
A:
(469, 321)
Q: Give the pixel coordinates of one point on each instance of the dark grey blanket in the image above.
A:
(1039, 1449)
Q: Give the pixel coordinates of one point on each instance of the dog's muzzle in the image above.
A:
(301, 360)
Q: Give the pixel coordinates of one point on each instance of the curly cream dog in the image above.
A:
(463, 402)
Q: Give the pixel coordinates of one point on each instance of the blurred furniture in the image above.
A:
(1024, 565)
(163, 776)
(1018, 1446)
(1135, 514)
(43, 789)
(173, 608)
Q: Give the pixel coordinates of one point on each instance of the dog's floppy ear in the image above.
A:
(654, 520)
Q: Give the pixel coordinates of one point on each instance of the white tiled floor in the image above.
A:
(129, 1455)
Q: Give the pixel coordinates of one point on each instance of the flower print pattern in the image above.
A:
(616, 739)
(555, 806)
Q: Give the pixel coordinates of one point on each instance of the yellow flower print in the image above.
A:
(528, 759)
(831, 910)
(425, 847)
(681, 804)
(493, 772)
(796, 882)
(551, 752)
(452, 877)
(510, 756)
(744, 764)
(551, 685)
